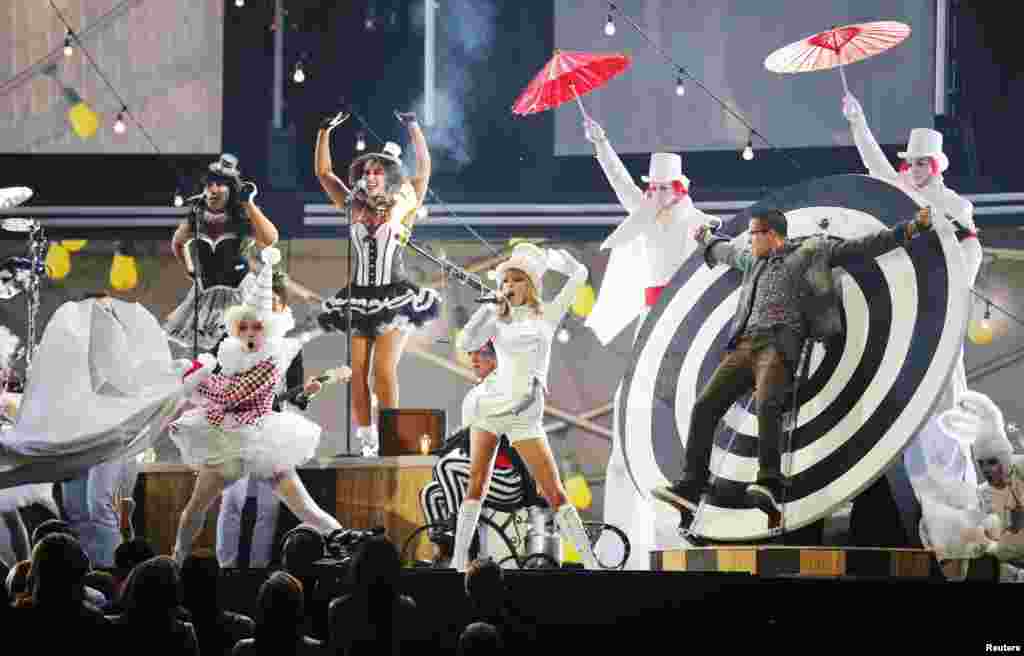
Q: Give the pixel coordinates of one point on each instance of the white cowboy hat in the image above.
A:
(925, 142)
(528, 258)
(666, 167)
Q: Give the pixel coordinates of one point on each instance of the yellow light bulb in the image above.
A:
(84, 120)
(583, 304)
(58, 262)
(578, 491)
(979, 331)
(74, 245)
(124, 272)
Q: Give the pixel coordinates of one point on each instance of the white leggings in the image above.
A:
(212, 481)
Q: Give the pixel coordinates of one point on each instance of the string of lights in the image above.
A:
(682, 72)
(119, 125)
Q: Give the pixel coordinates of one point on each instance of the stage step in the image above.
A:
(795, 561)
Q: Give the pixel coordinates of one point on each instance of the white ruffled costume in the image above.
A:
(233, 423)
(647, 249)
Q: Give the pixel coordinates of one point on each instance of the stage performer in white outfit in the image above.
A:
(234, 431)
(647, 249)
(920, 177)
(522, 328)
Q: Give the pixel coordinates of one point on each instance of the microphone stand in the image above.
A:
(451, 269)
(348, 322)
(197, 268)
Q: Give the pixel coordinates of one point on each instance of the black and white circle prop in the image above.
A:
(867, 393)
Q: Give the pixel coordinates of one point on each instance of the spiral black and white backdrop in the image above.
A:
(868, 391)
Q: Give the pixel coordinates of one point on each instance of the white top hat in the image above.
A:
(925, 142)
(528, 258)
(666, 167)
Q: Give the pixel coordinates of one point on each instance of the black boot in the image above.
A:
(684, 495)
(766, 495)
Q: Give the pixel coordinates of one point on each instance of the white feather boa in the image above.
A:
(234, 359)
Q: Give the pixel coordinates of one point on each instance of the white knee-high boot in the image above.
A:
(469, 517)
(571, 527)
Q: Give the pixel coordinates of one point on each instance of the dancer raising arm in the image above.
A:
(385, 306)
(522, 328)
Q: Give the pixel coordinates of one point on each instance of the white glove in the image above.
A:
(593, 132)
(852, 109)
(562, 261)
(207, 363)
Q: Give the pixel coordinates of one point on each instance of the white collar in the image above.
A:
(234, 359)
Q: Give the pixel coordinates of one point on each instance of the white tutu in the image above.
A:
(285, 439)
(21, 496)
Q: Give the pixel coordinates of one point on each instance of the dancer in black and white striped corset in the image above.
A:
(384, 306)
(511, 487)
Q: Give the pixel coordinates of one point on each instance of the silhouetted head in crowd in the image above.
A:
(485, 585)
(376, 564)
(280, 610)
(479, 638)
(129, 554)
(154, 590)
(303, 545)
(50, 527)
(199, 576)
(58, 566)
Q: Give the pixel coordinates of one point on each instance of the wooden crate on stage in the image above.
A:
(359, 492)
(787, 561)
(411, 431)
(165, 489)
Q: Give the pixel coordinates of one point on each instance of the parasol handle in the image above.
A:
(842, 75)
(578, 101)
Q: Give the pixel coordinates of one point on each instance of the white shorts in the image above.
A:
(517, 417)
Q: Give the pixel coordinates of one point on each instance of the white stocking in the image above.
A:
(293, 493)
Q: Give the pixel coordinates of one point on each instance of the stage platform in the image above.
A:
(791, 561)
(360, 492)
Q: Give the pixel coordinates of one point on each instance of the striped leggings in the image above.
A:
(441, 497)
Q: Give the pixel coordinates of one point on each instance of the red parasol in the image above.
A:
(837, 47)
(567, 76)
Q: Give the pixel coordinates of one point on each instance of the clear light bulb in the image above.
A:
(748, 152)
(68, 50)
(299, 76)
(119, 126)
(563, 336)
(239, 3)
(178, 200)
(680, 89)
(609, 26)
(360, 144)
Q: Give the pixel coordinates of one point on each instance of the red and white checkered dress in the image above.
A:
(234, 421)
(243, 399)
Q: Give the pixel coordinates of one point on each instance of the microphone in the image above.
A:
(197, 197)
(493, 300)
